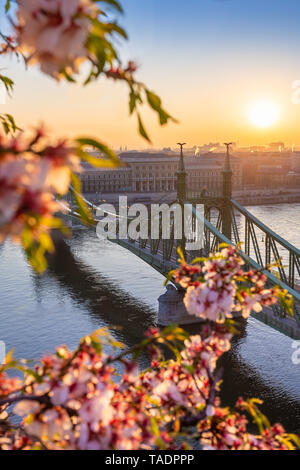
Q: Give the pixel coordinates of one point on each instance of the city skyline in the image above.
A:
(211, 64)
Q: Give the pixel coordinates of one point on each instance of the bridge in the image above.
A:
(223, 221)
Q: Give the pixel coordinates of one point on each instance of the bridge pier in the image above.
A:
(172, 309)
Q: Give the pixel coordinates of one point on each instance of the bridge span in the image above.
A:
(260, 247)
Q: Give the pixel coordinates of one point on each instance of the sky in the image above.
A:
(211, 61)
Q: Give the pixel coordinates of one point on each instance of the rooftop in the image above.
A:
(208, 160)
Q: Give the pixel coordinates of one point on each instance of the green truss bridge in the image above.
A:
(222, 220)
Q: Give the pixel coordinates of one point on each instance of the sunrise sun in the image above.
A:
(263, 113)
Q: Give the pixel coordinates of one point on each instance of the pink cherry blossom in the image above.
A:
(98, 408)
(59, 395)
(207, 303)
(31, 174)
(78, 400)
(54, 32)
(214, 290)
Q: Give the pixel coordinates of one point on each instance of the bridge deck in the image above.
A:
(157, 259)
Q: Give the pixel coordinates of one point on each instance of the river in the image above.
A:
(91, 284)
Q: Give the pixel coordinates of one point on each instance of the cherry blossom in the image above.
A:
(54, 32)
(73, 400)
(78, 400)
(31, 173)
(220, 287)
(205, 302)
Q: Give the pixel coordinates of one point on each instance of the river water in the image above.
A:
(91, 284)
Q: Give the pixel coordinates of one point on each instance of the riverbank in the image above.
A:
(256, 197)
(246, 197)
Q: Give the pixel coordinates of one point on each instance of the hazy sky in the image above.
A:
(210, 61)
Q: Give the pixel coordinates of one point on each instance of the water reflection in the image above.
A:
(109, 303)
(243, 379)
(88, 286)
(105, 302)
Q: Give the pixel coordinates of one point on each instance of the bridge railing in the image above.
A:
(266, 246)
(218, 238)
(162, 254)
(195, 194)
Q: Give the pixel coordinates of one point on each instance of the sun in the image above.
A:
(263, 113)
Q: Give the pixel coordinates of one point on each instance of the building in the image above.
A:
(145, 172)
(270, 177)
(272, 163)
(105, 180)
(295, 162)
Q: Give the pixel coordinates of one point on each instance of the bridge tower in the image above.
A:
(181, 177)
(181, 193)
(227, 194)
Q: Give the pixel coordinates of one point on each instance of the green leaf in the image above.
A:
(114, 3)
(169, 277)
(189, 368)
(142, 129)
(46, 242)
(8, 83)
(174, 332)
(259, 418)
(295, 439)
(113, 28)
(34, 374)
(155, 103)
(67, 76)
(56, 223)
(156, 432)
(8, 123)
(222, 245)
(102, 49)
(12, 122)
(96, 162)
(181, 255)
(9, 356)
(198, 260)
(284, 440)
(36, 257)
(232, 326)
(6, 127)
(83, 141)
(132, 101)
(286, 301)
(82, 208)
